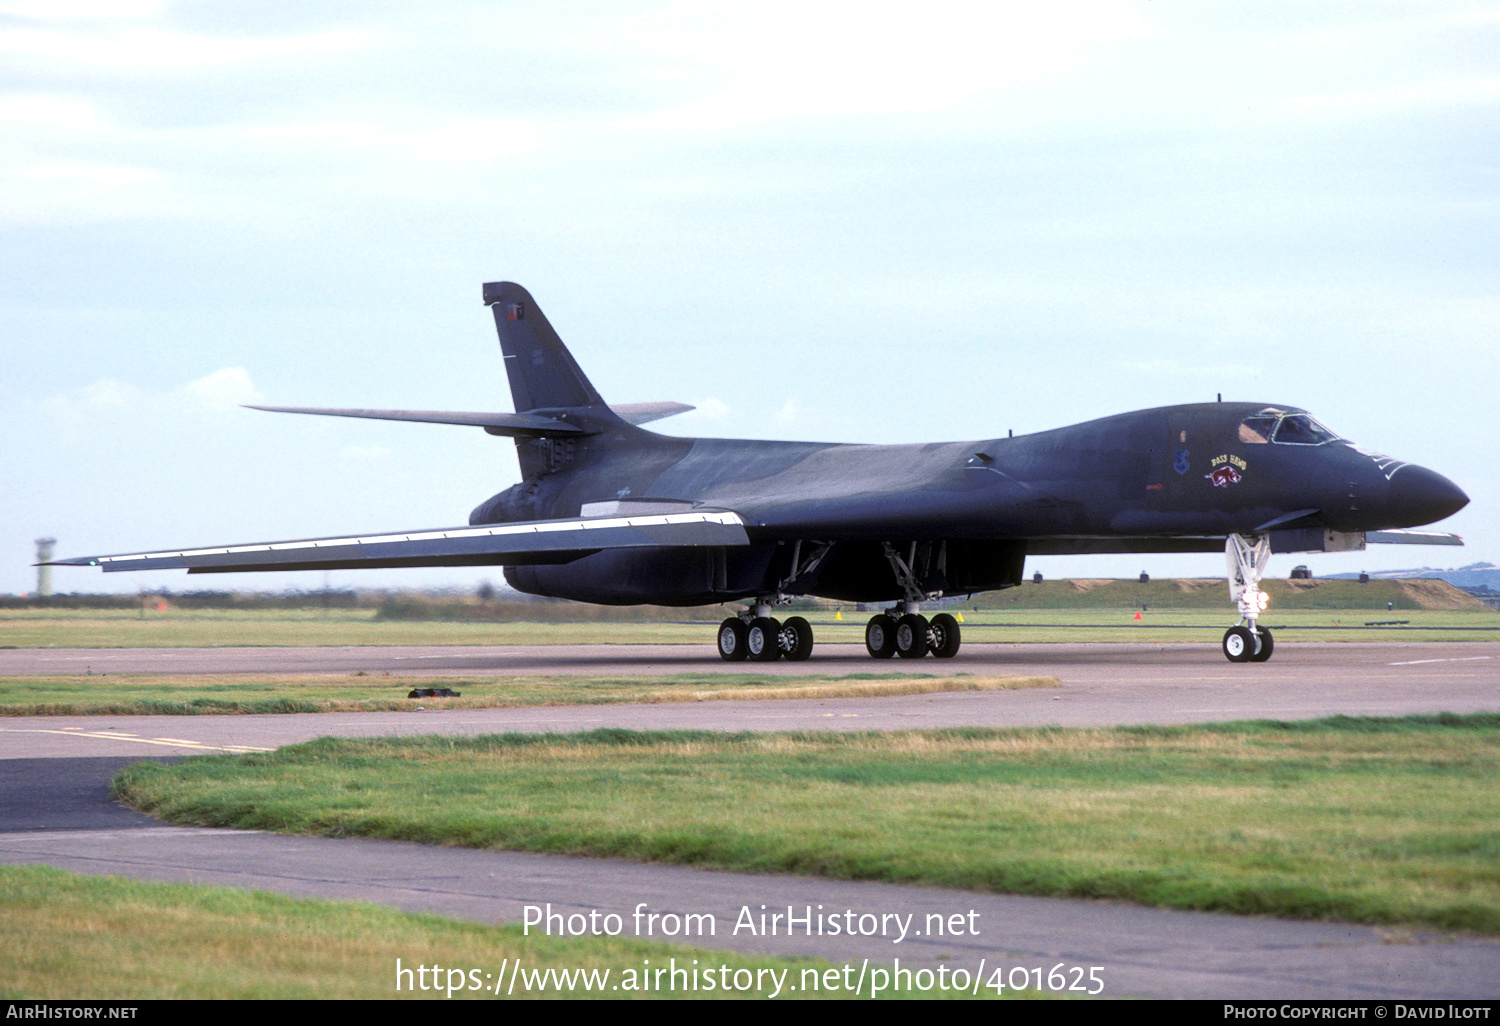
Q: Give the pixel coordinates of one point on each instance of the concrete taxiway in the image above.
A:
(54, 809)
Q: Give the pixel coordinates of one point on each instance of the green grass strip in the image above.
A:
(69, 937)
(1355, 819)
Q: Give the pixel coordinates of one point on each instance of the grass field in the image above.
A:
(1374, 821)
(164, 694)
(68, 936)
(1379, 821)
(55, 628)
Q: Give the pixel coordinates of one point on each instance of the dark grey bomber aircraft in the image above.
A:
(608, 512)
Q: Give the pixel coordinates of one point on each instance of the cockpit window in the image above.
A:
(1301, 429)
(1257, 429)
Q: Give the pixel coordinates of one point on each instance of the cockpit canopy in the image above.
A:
(1283, 427)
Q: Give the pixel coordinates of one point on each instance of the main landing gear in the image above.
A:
(908, 633)
(758, 637)
(911, 635)
(901, 630)
(1247, 556)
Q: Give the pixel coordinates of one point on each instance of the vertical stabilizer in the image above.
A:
(543, 374)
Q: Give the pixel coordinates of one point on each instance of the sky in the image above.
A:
(869, 222)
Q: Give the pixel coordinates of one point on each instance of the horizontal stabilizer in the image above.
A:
(1412, 538)
(520, 425)
(519, 544)
(644, 413)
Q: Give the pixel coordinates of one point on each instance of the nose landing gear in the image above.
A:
(1247, 556)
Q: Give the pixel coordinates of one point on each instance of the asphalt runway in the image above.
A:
(1329, 661)
(55, 809)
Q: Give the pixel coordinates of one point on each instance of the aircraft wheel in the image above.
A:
(1263, 650)
(943, 636)
(795, 639)
(760, 639)
(732, 640)
(911, 636)
(1239, 644)
(880, 636)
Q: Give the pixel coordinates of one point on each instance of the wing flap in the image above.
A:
(531, 542)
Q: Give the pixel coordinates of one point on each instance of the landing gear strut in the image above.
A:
(1247, 556)
(903, 630)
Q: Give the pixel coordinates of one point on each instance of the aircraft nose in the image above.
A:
(1420, 496)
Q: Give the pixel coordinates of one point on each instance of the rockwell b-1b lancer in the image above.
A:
(611, 513)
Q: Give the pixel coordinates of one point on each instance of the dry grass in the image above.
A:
(230, 694)
(861, 688)
(69, 937)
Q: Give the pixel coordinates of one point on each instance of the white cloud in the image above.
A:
(747, 64)
(51, 111)
(428, 141)
(220, 391)
(103, 396)
(707, 409)
(156, 51)
(69, 10)
(215, 393)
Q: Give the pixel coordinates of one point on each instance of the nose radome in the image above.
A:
(1420, 496)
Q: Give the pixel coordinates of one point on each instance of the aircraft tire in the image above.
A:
(796, 639)
(944, 636)
(1264, 648)
(911, 636)
(1239, 645)
(761, 640)
(732, 640)
(880, 637)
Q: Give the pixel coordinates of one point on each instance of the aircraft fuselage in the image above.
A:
(1178, 478)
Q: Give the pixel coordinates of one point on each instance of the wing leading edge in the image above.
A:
(518, 544)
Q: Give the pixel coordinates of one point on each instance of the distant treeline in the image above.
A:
(490, 604)
(1213, 593)
(487, 604)
(191, 600)
(419, 606)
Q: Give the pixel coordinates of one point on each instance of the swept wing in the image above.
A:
(518, 544)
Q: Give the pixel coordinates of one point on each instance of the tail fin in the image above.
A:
(543, 374)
